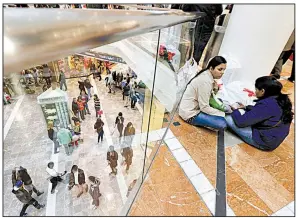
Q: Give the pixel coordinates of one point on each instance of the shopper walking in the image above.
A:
(284, 56)
(75, 108)
(126, 94)
(23, 196)
(97, 105)
(81, 107)
(94, 191)
(62, 80)
(119, 123)
(129, 133)
(133, 98)
(35, 76)
(127, 153)
(21, 173)
(55, 177)
(47, 74)
(112, 157)
(82, 85)
(77, 180)
(85, 99)
(88, 87)
(98, 126)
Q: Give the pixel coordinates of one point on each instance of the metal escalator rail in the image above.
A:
(148, 8)
(37, 36)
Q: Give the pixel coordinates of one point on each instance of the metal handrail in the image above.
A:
(37, 36)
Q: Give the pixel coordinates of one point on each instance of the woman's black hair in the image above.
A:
(50, 163)
(214, 62)
(74, 167)
(120, 114)
(273, 87)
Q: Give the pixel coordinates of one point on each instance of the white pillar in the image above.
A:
(255, 37)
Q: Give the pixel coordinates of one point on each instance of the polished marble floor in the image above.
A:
(258, 183)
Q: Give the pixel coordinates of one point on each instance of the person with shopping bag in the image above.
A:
(98, 126)
(195, 106)
(112, 158)
(77, 180)
(120, 124)
(94, 191)
(266, 124)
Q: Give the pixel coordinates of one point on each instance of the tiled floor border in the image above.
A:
(197, 178)
(288, 210)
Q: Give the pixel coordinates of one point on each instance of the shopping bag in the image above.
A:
(75, 138)
(100, 112)
(215, 103)
(185, 74)
(236, 92)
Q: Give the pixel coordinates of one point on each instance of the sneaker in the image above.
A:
(39, 193)
(41, 206)
(25, 214)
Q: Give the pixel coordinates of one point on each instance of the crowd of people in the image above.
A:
(264, 125)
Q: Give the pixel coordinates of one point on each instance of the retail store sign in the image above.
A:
(102, 56)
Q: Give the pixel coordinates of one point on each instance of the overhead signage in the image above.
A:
(102, 56)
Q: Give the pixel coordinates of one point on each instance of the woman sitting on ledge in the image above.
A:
(267, 124)
(194, 107)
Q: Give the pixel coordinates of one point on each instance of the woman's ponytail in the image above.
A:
(286, 105)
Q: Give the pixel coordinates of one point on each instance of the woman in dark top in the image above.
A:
(267, 124)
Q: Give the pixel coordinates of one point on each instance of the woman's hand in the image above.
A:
(241, 106)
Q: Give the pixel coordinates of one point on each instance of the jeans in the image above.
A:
(133, 103)
(100, 136)
(206, 120)
(89, 93)
(244, 133)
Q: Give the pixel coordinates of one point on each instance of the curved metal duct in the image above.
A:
(37, 36)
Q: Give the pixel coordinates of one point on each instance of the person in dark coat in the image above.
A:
(77, 179)
(119, 123)
(25, 197)
(204, 26)
(99, 129)
(94, 191)
(75, 108)
(21, 173)
(266, 124)
(129, 133)
(127, 153)
(112, 157)
(82, 85)
(88, 87)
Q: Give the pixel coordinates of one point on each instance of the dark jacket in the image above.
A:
(118, 119)
(75, 107)
(126, 90)
(87, 84)
(22, 195)
(81, 85)
(127, 153)
(113, 159)
(94, 191)
(81, 178)
(262, 118)
(23, 175)
(99, 126)
(51, 133)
